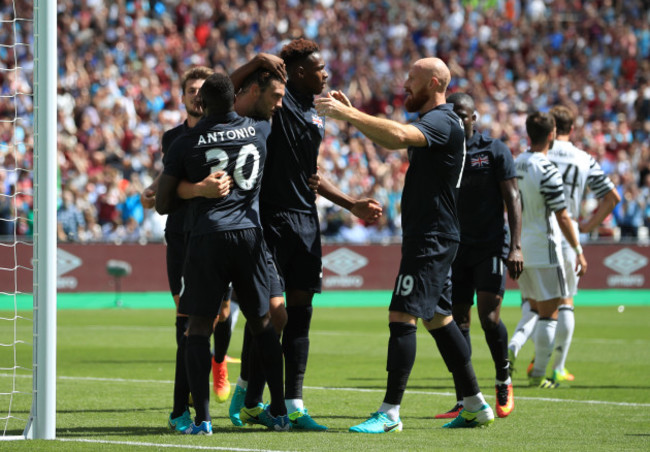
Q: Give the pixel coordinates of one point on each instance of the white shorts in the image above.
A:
(542, 284)
(570, 270)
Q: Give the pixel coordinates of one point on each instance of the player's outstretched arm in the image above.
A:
(510, 194)
(385, 132)
(216, 185)
(368, 209)
(270, 62)
(566, 225)
(605, 207)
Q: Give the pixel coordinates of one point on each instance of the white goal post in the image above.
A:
(42, 424)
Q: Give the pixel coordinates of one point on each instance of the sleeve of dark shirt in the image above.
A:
(506, 164)
(435, 127)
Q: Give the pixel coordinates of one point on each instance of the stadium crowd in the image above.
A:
(120, 65)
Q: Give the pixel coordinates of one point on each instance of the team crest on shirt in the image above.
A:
(317, 120)
(480, 161)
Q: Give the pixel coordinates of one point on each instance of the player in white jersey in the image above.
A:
(579, 171)
(545, 219)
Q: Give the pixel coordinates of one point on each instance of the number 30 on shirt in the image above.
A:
(221, 156)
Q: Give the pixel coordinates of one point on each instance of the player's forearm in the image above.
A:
(514, 223)
(566, 226)
(605, 207)
(188, 190)
(384, 132)
(510, 193)
(328, 190)
(239, 75)
(154, 185)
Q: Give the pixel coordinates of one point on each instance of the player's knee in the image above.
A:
(258, 325)
(298, 321)
(200, 326)
(278, 314)
(224, 311)
(490, 321)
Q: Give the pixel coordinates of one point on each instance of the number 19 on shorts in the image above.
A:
(404, 285)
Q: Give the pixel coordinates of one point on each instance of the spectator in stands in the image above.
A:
(118, 84)
(70, 221)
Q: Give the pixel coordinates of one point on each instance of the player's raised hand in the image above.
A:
(332, 107)
(368, 209)
(274, 64)
(338, 95)
(515, 263)
(216, 185)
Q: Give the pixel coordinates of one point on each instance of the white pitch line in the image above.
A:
(161, 445)
(323, 388)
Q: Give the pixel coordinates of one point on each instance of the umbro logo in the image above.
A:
(344, 261)
(625, 261)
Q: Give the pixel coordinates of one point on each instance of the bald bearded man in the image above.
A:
(436, 150)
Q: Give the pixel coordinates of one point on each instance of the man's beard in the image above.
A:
(195, 113)
(415, 101)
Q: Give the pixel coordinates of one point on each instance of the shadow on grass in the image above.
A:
(76, 432)
(112, 410)
(102, 431)
(123, 361)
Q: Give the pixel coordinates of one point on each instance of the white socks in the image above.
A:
(524, 328)
(565, 325)
(294, 405)
(392, 411)
(544, 336)
(474, 403)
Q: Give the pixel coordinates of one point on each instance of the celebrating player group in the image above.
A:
(240, 184)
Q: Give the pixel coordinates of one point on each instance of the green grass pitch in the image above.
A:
(115, 371)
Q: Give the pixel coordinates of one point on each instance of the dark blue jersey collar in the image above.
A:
(222, 117)
(437, 107)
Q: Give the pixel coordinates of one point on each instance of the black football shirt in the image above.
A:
(480, 203)
(234, 144)
(293, 145)
(433, 177)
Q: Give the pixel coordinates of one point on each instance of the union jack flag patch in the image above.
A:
(480, 161)
(317, 120)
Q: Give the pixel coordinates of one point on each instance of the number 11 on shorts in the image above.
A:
(404, 285)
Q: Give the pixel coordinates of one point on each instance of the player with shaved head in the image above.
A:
(436, 149)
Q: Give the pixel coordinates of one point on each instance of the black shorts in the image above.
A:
(275, 281)
(423, 285)
(176, 246)
(477, 270)
(294, 241)
(214, 261)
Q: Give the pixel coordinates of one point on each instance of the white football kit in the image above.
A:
(542, 194)
(579, 170)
